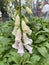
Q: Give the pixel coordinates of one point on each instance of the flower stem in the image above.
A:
(21, 21)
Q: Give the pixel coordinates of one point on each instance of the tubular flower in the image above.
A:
(19, 45)
(17, 21)
(26, 29)
(27, 40)
(29, 48)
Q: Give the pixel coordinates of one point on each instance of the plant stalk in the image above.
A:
(20, 20)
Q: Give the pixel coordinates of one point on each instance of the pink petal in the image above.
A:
(20, 49)
(27, 40)
(29, 48)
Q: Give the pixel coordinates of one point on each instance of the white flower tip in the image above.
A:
(14, 46)
(27, 40)
(31, 41)
(12, 32)
(30, 32)
(31, 51)
(29, 48)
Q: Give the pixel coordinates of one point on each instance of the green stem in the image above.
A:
(21, 21)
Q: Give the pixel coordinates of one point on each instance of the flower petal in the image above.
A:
(27, 40)
(14, 31)
(17, 21)
(20, 49)
(29, 48)
(26, 29)
(18, 35)
(15, 45)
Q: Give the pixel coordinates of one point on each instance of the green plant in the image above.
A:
(40, 36)
(40, 44)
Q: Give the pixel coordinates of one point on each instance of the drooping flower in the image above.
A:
(19, 45)
(26, 29)
(27, 40)
(29, 48)
(21, 49)
(27, 43)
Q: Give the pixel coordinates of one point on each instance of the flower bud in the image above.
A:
(17, 21)
(28, 10)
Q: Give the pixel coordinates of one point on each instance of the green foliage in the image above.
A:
(42, 51)
(40, 37)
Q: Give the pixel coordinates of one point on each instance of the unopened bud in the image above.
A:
(28, 10)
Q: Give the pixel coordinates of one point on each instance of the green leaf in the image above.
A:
(47, 30)
(4, 41)
(40, 39)
(14, 56)
(1, 63)
(44, 61)
(42, 51)
(26, 57)
(38, 26)
(46, 44)
(35, 58)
